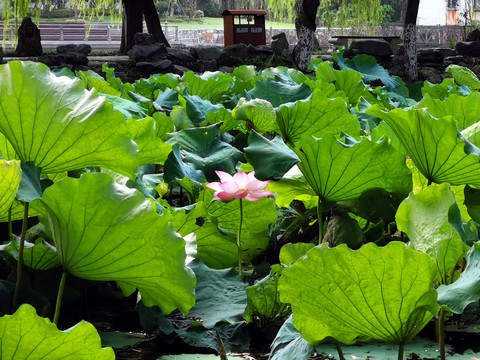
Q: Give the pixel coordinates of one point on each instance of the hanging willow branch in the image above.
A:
(14, 12)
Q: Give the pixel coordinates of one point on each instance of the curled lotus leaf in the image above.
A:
(105, 231)
(56, 124)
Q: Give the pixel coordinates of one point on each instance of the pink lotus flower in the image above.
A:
(238, 186)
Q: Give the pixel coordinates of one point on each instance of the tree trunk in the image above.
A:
(305, 26)
(132, 22)
(410, 40)
(153, 22)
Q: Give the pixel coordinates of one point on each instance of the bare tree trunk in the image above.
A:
(153, 22)
(305, 26)
(410, 40)
(132, 22)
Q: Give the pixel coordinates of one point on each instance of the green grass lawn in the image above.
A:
(204, 23)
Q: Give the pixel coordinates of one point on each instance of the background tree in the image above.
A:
(132, 17)
(410, 40)
(132, 22)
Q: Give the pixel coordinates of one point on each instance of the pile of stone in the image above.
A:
(150, 57)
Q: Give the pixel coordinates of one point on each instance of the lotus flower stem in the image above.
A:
(401, 349)
(441, 334)
(339, 350)
(320, 221)
(19, 284)
(239, 244)
(58, 305)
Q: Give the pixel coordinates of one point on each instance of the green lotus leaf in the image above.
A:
(127, 107)
(289, 253)
(95, 81)
(245, 77)
(257, 217)
(198, 108)
(466, 289)
(347, 81)
(6, 149)
(32, 184)
(464, 109)
(318, 117)
(25, 335)
(163, 125)
(183, 173)
(264, 305)
(209, 85)
(278, 93)
(367, 66)
(61, 126)
(107, 232)
(284, 74)
(114, 82)
(293, 186)
(424, 217)
(166, 100)
(464, 76)
(218, 250)
(10, 176)
(258, 112)
(220, 295)
(38, 256)
(271, 159)
(225, 118)
(444, 89)
(435, 146)
(381, 293)
(337, 171)
(151, 149)
(186, 220)
(203, 148)
(18, 211)
(289, 344)
(180, 118)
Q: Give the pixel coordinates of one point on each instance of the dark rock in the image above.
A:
(376, 47)
(29, 41)
(401, 50)
(226, 69)
(233, 55)
(466, 48)
(264, 52)
(205, 52)
(279, 43)
(154, 66)
(436, 78)
(457, 59)
(398, 60)
(473, 36)
(425, 73)
(147, 52)
(71, 60)
(206, 65)
(434, 56)
(179, 69)
(181, 57)
(143, 39)
(177, 55)
(80, 48)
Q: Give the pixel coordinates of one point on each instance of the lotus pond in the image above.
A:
(257, 214)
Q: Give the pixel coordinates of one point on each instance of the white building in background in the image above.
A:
(447, 12)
